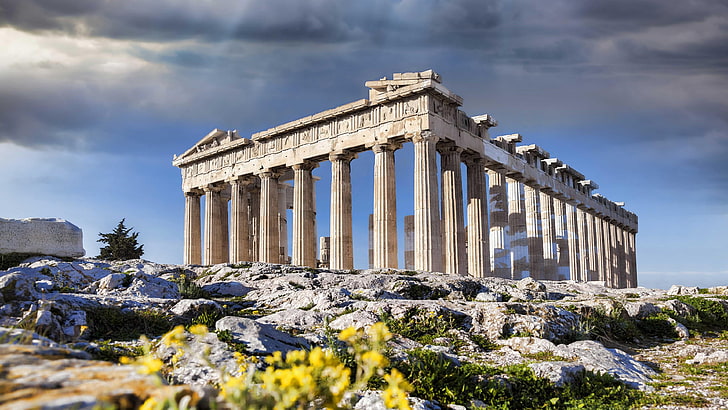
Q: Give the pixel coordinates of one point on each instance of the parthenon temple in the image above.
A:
(527, 213)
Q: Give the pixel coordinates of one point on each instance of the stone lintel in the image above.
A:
(619, 204)
(485, 120)
(510, 138)
(194, 192)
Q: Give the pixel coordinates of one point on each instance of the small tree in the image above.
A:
(121, 245)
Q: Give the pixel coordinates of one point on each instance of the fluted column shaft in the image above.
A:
(622, 269)
(534, 233)
(478, 249)
(341, 254)
(581, 232)
(192, 229)
(498, 206)
(304, 237)
(239, 221)
(593, 272)
(562, 266)
(517, 229)
(269, 230)
(452, 210)
(224, 243)
(428, 248)
(599, 249)
(213, 226)
(550, 251)
(633, 258)
(607, 252)
(614, 277)
(573, 242)
(385, 207)
(254, 210)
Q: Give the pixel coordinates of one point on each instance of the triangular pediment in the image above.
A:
(213, 139)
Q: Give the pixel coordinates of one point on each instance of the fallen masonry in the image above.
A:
(91, 309)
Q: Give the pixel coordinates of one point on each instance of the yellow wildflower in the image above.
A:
(373, 359)
(379, 332)
(395, 395)
(199, 330)
(149, 404)
(348, 334)
(175, 337)
(150, 364)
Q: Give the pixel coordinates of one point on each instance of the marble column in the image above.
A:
(607, 252)
(452, 210)
(614, 277)
(599, 249)
(254, 228)
(478, 249)
(498, 206)
(192, 228)
(593, 272)
(269, 230)
(534, 233)
(224, 243)
(550, 248)
(341, 254)
(516, 230)
(633, 257)
(213, 225)
(385, 207)
(409, 242)
(304, 237)
(622, 269)
(284, 198)
(428, 249)
(581, 231)
(628, 269)
(573, 243)
(239, 220)
(562, 265)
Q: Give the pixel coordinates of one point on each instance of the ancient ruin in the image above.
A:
(527, 213)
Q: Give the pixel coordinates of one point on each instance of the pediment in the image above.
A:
(214, 138)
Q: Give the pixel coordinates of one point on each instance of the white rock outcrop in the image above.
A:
(43, 236)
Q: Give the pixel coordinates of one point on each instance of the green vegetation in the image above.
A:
(420, 325)
(121, 244)
(117, 324)
(711, 317)
(434, 377)
(188, 289)
(11, 260)
(113, 351)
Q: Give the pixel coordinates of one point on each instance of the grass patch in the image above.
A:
(422, 326)
(11, 260)
(188, 289)
(116, 324)
(711, 315)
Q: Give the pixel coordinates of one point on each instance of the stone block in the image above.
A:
(43, 236)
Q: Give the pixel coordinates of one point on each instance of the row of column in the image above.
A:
(526, 231)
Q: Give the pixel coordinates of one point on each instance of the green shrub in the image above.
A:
(712, 315)
(11, 260)
(188, 289)
(421, 325)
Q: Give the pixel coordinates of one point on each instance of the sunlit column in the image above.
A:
(498, 207)
(304, 237)
(341, 254)
(428, 256)
(192, 228)
(385, 207)
(452, 210)
(573, 242)
(562, 265)
(478, 249)
(239, 220)
(550, 250)
(517, 229)
(213, 225)
(269, 230)
(584, 244)
(534, 232)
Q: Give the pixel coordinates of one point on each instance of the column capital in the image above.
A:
(424, 136)
(214, 187)
(305, 165)
(194, 192)
(342, 155)
(267, 173)
(449, 147)
(240, 180)
(473, 159)
(389, 146)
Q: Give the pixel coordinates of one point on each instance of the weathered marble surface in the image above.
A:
(43, 236)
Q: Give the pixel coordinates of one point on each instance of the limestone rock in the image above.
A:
(641, 310)
(683, 290)
(295, 319)
(201, 362)
(528, 345)
(43, 236)
(559, 372)
(227, 288)
(260, 338)
(190, 308)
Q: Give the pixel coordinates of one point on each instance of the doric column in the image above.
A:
(284, 194)
(192, 229)
(534, 232)
(621, 268)
(593, 271)
(239, 220)
(550, 248)
(341, 254)
(627, 259)
(599, 249)
(633, 257)
(562, 265)
(269, 230)
(517, 229)
(409, 242)
(428, 249)
(214, 237)
(478, 249)
(452, 210)
(613, 256)
(304, 237)
(385, 207)
(224, 243)
(573, 242)
(501, 259)
(607, 252)
(584, 244)
(254, 228)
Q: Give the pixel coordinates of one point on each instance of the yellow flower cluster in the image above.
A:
(301, 377)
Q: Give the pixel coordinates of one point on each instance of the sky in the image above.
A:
(96, 96)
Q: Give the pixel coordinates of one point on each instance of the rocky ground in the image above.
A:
(80, 316)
